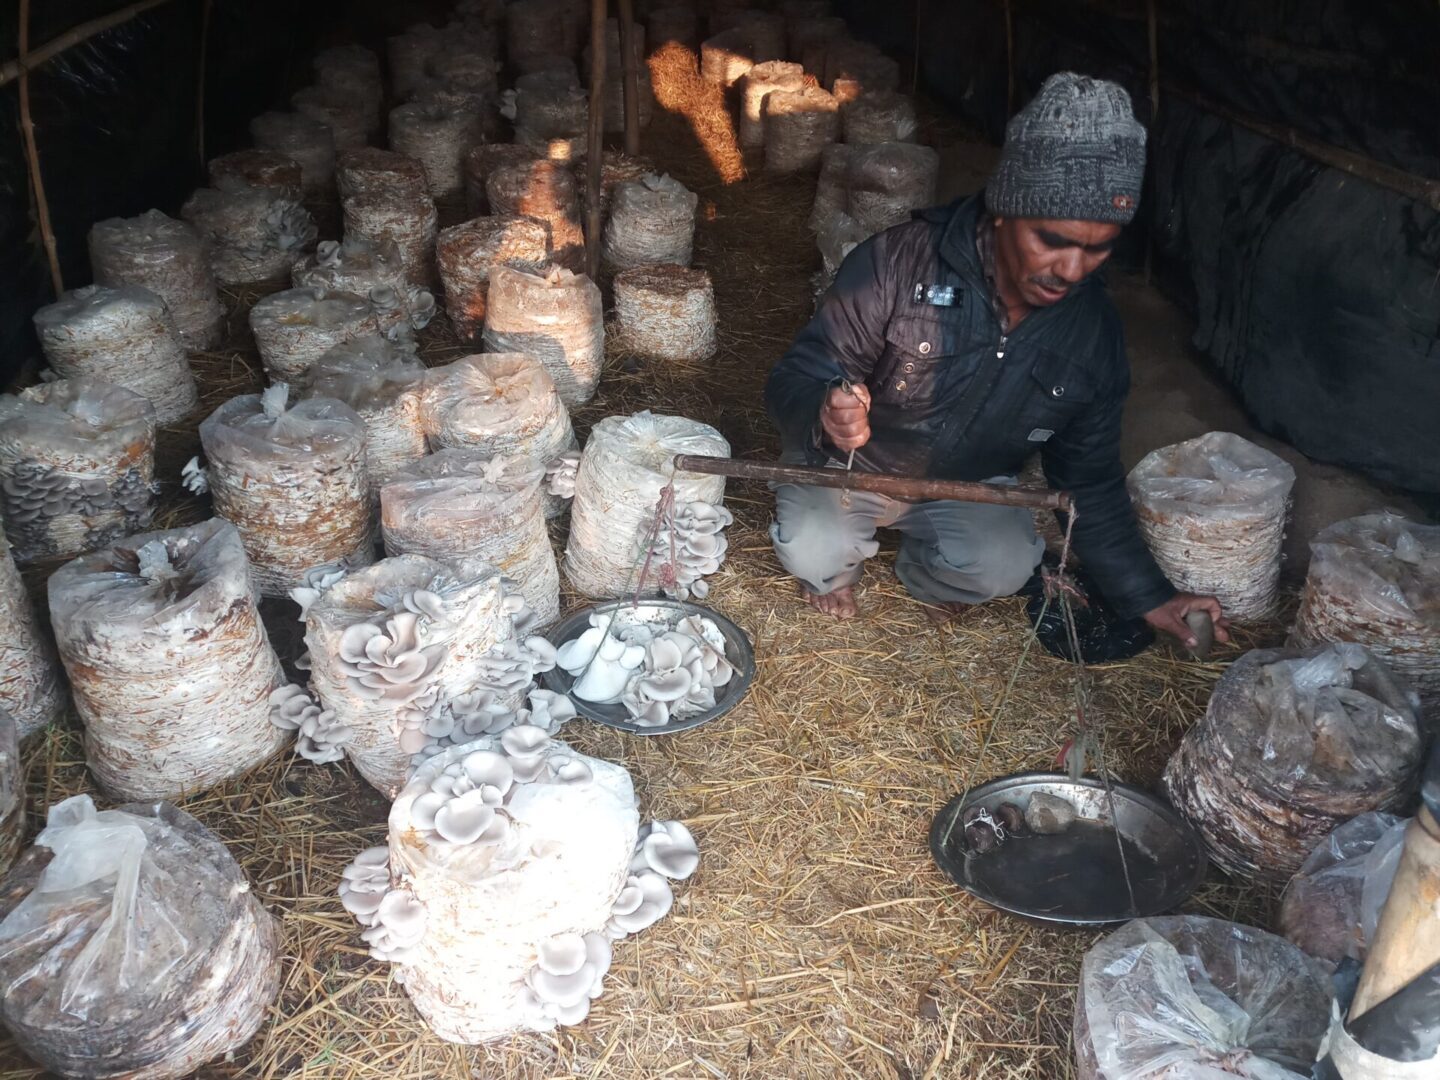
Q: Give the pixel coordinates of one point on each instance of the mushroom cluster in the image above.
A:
(314, 582)
(394, 920)
(690, 546)
(560, 475)
(193, 477)
(484, 712)
(395, 659)
(665, 851)
(320, 736)
(569, 974)
(658, 671)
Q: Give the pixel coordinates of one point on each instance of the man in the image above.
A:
(958, 344)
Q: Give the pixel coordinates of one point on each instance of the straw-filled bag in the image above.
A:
(254, 234)
(1213, 512)
(500, 404)
(168, 257)
(32, 690)
(545, 191)
(293, 481)
(879, 116)
(438, 136)
(374, 270)
(123, 336)
(471, 511)
(380, 380)
(169, 664)
(651, 221)
(799, 124)
(368, 170)
(302, 138)
(759, 82)
(253, 168)
(483, 160)
(626, 463)
(888, 181)
(77, 462)
(467, 255)
(666, 312)
(556, 317)
(295, 327)
(132, 945)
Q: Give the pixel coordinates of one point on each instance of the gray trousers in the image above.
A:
(951, 551)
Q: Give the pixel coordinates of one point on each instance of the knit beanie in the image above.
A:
(1074, 153)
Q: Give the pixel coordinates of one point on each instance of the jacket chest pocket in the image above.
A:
(1058, 390)
(922, 359)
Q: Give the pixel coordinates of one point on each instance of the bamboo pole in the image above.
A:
(32, 156)
(595, 137)
(29, 61)
(897, 487)
(629, 64)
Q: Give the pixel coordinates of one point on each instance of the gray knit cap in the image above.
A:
(1074, 153)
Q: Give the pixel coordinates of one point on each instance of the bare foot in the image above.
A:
(838, 603)
(941, 614)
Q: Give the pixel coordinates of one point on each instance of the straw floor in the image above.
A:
(817, 939)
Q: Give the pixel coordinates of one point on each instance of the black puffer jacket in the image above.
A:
(910, 316)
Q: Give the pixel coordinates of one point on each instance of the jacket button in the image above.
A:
(909, 367)
(924, 348)
(1057, 391)
(900, 385)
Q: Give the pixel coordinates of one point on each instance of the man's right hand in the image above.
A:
(845, 416)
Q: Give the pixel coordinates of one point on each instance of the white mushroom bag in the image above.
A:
(137, 948)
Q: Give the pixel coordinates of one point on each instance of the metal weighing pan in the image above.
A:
(738, 651)
(1074, 878)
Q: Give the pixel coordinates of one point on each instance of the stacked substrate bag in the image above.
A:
(31, 689)
(651, 221)
(12, 792)
(169, 664)
(556, 317)
(380, 380)
(131, 945)
(626, 463)
(293, 481)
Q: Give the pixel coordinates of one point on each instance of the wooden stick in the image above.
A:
(595, 137)
(29, 61)
(32, 157)
(897, 487)
(629, 64)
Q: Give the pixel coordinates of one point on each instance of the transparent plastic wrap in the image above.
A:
(555, 316)
(374, 270)
(347, 115)
(626, 463)
(760, 81)
(837, 236)
(880, 116)
(169, 664)
(1332, 904)
(438, 136)
(1212, 511)
(1293, 744)
(131, 945)
(666, 312)
(398, 652)
(651, 221)
(77, 464)
(483, 160)
(615, 168)
(169, 258)
(1375, 579)
(545, 191)
(303, 138)
(468, 253)
(267, 169)
(369, 170)
(799, 124)
(293, 481)
(1190, 998)
(124, 336)
(889, 181)
(380, 380)
(473, 511)
(401, 215)
(253, 235)
(499, 404)
(12, 792)
(832, 187)
(32, 690)
(293, 328)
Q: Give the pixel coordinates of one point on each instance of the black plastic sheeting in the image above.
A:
(118, 128)
(1316, 294)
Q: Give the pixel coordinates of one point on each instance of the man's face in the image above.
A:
(1043, 260)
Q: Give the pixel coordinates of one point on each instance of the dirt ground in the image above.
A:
(817, 939)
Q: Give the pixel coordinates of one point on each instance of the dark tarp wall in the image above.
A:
(117, 127)
(1316, 293)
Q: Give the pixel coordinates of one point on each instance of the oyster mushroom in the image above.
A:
(364, 883)
(314, 582)
(560, 474)
(481, 713)
(469, 819)
(194, 478)
(569, 973)
(691, 546)
(645, 899)
(398, 929)
(322, 737)
(388, 662)
(526, 745)
(486, 768)
(608, 672)
(547, 710)
(567, 770)
(668, 848)
(289, 705)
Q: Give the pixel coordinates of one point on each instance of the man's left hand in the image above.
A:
(1170, 617)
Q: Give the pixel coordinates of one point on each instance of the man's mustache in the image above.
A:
(1053, 283)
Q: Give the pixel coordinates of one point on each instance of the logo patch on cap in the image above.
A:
(1122, 202)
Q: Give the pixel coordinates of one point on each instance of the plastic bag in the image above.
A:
(799, 124)
(1191, 998)
(32, 690)
(136, 947)
(12, 792)
(1292, 745)
(1332, 905)
(890, 180)
(253, 234)
(468, 253)
(555, 316)
(1213, 512)
(651, 221)
(380, 379)
(362, 267)
(169, 663)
